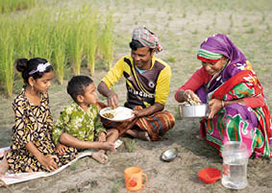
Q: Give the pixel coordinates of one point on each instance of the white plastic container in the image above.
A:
(235, 159)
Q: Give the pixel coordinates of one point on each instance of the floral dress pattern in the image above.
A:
(85, 126)
(32, 124)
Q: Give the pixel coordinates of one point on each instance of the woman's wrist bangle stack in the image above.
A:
(222, 104)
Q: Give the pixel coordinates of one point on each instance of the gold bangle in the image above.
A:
(222, 104)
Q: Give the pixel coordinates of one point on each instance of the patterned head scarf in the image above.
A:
(147, 38)
(216, 46)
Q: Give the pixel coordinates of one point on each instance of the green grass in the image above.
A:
(177, 41)
(62, 35)
(7, 6)
(7, 45)
(59, 42)
(130, 145)
(117, 185)
(106, 41)
(171, 59)
(92, 41)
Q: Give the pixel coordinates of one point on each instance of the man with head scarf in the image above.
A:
(147, 83)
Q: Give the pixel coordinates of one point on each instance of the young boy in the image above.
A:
(79, 124)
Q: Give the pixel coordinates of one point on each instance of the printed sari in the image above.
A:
(236, 122)
(249, 123)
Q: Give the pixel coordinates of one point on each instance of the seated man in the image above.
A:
(147, 84)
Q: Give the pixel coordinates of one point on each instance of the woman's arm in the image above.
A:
(198, 79)
(180, 97)
(216, 105)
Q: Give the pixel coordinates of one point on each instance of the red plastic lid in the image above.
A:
(209, 175)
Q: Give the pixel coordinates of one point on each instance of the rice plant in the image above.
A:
(106, 41)
(40, 36)
(7, 6)
(76, 43)
(92, 41)
(6, 59)
(59, 58)
(62, 36)
(23, 34)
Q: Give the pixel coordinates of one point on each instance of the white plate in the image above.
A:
(120, 113)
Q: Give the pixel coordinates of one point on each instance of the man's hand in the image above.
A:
(112, 100)
(106, 92)
(139, 113)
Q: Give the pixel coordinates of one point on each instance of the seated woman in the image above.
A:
(238, 109)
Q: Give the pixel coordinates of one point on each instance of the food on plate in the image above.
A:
(117, 114)
(108, 115)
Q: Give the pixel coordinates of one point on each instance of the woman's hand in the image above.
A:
(48, 162)
(112, 100)
(60, 149)
(215, 106)
(189, 96)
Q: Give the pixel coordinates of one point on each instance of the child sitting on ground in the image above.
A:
(32, 148)
(79, 125)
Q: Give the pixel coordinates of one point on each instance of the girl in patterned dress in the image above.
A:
(32, 148)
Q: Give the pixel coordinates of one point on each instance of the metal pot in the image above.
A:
(193, 111)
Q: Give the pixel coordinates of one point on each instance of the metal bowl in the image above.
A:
(193, 111)
(169, 154)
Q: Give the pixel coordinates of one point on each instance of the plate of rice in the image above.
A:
(118, 114)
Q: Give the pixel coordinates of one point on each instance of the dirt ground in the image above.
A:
(181, 28)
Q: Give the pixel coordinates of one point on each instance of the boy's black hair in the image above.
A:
(76, 86)
(135, 44)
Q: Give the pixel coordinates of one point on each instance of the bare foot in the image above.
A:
(143, 135)
(100, 157)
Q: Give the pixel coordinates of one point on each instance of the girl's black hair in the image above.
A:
(25, 66)
(76, 86)
(135, 44)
